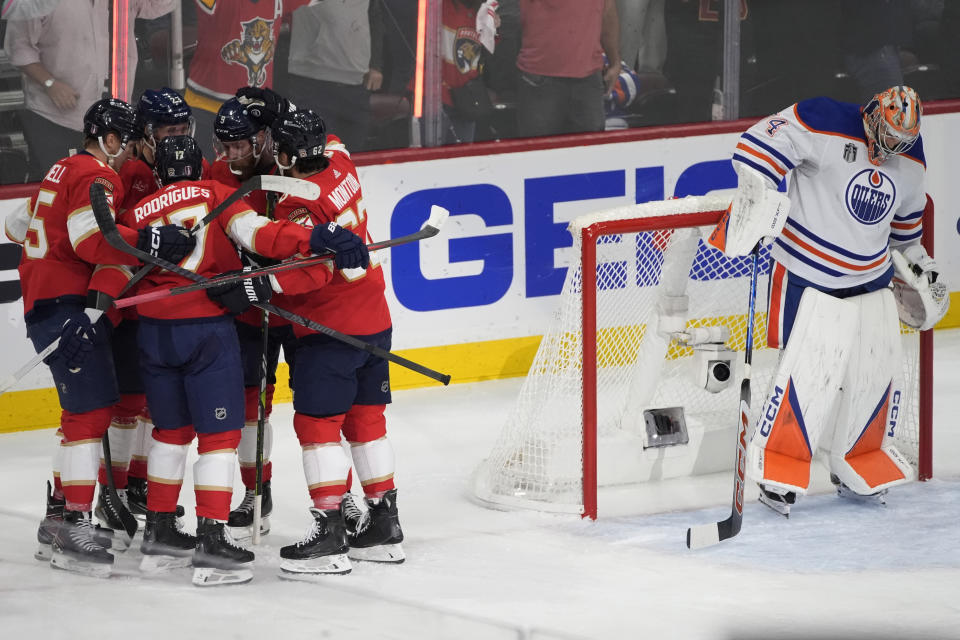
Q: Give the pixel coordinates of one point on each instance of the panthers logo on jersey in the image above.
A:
(870, 196)
(254, 50)
(467, 49)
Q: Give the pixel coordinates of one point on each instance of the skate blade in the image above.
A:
(44, 552)
(91, 569)
(779, 507)
(212, 577)
(155, 564)
(337, 564)
(386, 553)
(878, 498)
(244, 534)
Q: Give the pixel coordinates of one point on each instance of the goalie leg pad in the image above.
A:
(799, 407)
(862, 454)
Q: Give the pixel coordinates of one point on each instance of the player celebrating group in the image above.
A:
(337, 389)
(855, 201)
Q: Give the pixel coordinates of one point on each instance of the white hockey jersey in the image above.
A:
(845, 213)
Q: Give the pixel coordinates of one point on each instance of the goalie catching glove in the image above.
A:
(922, 297)
(238, 296)
(170, 242)
(350, 250)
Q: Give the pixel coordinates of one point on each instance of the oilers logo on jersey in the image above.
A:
(870, 196)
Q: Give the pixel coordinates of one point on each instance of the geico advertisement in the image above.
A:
(496, 267)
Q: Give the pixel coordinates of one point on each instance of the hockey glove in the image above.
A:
(350, 250)
(263, 105)
(236, 297)
(923, 298)
(170, 242)
(78, 335)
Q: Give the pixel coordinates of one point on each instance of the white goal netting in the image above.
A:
(658, 293)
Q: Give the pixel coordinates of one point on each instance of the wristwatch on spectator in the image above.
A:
(48, 82)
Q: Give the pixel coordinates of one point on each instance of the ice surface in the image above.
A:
(835, 569)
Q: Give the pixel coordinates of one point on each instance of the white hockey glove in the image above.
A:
(922, 296)
(758, 211)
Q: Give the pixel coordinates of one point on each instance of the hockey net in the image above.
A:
(618, 391)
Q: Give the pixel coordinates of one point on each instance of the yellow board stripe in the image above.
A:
(468, 362)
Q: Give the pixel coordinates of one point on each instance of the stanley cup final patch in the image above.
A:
(850, 152)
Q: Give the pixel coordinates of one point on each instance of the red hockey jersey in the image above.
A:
(64, 253)
(220, 171)
(237, 46)
(350, 300)
(186, 203)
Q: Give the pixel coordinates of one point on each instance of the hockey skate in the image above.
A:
(217, 559)
(241, 518)
(878, 498)
(75, 548)
(780, 500)
(109, 516)
(165, 545)
(374, 535)
(323, 549)
(51, 521)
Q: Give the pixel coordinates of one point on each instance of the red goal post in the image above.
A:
(633, 263)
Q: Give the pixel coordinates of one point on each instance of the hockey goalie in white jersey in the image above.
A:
(847, 267)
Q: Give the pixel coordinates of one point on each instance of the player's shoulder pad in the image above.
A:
(916, 152)
(832, 117)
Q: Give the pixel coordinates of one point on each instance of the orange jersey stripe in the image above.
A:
(756, 154)
(825, 256)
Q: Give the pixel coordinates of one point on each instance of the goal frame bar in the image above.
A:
(590, 234)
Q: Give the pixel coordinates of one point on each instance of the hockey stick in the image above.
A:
(705, 535)
(284, 184)
(128, 519)
(262, 404)
(429, 229)
(108, 227)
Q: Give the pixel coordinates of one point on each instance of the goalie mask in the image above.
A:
(891, 122)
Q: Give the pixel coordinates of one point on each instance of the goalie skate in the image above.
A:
(778, 499)
(241, 518)
(217, 559)
(878, 498)
(322, 551)
(75, 548)
(374, 535)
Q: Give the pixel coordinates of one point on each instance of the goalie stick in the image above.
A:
(284, 184)
(705, 535)
(101, 211)
(429, 229)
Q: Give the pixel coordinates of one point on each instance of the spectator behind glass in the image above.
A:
(463, 87)
(562, 77)
(65, 61)
(336, 53)
(236, 47)
(643, 36)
